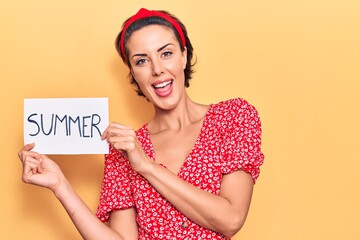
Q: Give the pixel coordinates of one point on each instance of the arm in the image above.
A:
(224, 213)
(42, 171)
(124, 221)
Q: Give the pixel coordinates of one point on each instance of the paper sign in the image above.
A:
(66, 125)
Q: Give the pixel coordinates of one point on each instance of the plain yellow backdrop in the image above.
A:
(296, 61)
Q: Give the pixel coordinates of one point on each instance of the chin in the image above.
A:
(167, 104)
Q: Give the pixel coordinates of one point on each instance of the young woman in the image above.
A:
(186, 174)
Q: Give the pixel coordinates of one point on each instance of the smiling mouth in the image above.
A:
(163, 84)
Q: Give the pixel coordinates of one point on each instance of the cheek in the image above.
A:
(140, 75)
(177, 67)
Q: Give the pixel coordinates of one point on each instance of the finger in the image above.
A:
(116, 129)
(26, 148)
(121, 133)
(27, 174)
(104, 135)
(38, 164)
(121, 139)
(43, 157)
(30, 168)
(124, 146)
(26, 155)
(34, 162)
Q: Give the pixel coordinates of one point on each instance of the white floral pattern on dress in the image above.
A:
(229, 140)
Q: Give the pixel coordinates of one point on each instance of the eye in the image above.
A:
(167, 54)
(140, 62)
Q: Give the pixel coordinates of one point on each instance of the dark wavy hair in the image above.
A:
(155, 20)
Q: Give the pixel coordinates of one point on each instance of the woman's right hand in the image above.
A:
(38, 169)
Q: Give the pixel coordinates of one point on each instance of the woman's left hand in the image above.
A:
(123, 138)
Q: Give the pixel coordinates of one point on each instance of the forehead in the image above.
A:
(151, 36)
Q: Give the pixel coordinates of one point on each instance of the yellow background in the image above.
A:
(297, 61)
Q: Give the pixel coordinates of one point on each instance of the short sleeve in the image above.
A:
(241, 148)
(115, 189)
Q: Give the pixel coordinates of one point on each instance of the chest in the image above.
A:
(199, 166)
(172, 148)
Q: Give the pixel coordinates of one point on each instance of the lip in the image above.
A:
(160, 82)
(165, 90)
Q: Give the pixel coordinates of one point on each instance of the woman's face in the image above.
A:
(157, 64)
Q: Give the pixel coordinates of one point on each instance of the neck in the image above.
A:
(184, 114)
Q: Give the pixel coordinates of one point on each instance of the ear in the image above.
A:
(184, 58)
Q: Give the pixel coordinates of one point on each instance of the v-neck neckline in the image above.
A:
(184, 163)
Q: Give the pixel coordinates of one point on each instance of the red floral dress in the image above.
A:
(229, 140)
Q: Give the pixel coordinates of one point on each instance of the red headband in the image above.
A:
(144, 13)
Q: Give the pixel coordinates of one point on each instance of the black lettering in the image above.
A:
(61, 120)
(93, 123)
(85, 125)
(32, 121)
(74, 121)
(42, 124)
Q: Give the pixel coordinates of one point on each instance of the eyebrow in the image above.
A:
(144, 54)
(164, 47)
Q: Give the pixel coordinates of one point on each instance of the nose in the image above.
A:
(157, 67)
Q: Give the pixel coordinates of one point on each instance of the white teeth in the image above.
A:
(163, 84)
